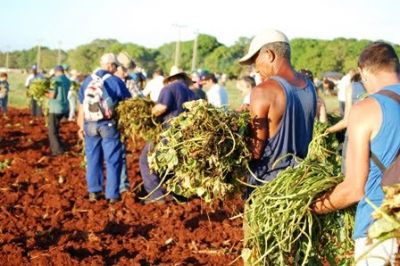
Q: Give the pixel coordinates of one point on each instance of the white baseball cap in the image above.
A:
(109, 58)
(265, 37)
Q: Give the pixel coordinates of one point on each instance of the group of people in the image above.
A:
(283, 106)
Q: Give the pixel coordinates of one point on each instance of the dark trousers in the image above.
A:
(150, 180)
(54, 137)
(35, 108)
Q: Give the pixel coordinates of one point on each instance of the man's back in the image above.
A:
(379, 115)
(173, 96)
(289, 117)
(59, 104)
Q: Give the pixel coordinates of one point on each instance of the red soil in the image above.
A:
(46, 218)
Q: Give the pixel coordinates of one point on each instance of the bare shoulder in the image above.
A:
(365, 114)
(266, 91)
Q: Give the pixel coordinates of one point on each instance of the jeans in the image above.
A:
(124, 186)
(102, 141)
(35, 108)
(150, 180)
(54, 137)
(4, 104)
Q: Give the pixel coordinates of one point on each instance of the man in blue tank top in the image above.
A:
(373, 126)
(282, 107)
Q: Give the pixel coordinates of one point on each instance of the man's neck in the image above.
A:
(385, 79)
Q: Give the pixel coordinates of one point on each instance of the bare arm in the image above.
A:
(79, 121)
(322, 115)
(259, 109)
(351, 190)
(159, 109)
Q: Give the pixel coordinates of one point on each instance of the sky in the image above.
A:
(151, 23)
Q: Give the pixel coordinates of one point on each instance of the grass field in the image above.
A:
(18, 99)
(17, 96)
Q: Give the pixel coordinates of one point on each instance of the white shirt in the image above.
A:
(342, 85)
(32, 77)
(154, 87)
(217, 96)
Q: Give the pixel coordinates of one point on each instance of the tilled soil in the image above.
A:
(46, 218)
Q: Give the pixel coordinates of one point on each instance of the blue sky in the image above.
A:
(25, 23)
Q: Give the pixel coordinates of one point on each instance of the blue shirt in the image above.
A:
(173, 96)
(114, 86)
(59, 86)
(385, 146)
(294, 133)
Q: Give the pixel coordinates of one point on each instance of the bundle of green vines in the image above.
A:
(135, 119)
(387, 217)
(279, 226)
(39, 88)
(203, 151)
(75, 85)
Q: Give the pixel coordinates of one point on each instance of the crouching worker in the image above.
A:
(98, 95)
(175, 93)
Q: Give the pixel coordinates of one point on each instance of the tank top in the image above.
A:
(294, 133)
(385, 145)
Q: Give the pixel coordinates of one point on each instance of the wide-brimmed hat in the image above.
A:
(176, 72)
(261, 39)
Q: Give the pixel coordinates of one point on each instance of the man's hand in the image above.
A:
(158, 109)
(81, 134)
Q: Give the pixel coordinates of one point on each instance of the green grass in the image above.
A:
(17, 95)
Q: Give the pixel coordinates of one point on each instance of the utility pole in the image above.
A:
(59, 53)
(7, 61)
(194, 56)
(7, 58)
(38, 56)
(178, 44)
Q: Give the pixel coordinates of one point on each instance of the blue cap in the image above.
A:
(34, 67)
(59, 68)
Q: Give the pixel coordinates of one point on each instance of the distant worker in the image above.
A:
(58, 108)
(98, 96)
(4, 90)
(127, 66)
(196, 86)
(245, 85)
(216, 94)
(154, 86)
(35, 107)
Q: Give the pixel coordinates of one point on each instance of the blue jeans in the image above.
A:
(150, 180)
(124, 185)
(102, 139)
(3, 104)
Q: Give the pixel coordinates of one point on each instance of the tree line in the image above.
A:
(319, 56)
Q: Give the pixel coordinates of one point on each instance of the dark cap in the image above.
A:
(209, 76)
(58, 68)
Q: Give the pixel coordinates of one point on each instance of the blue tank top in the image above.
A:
(385, 145)
(357, 91)
(294, 133)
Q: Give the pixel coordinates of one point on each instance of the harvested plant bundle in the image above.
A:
(39, 88)
(135, 119)
(280, 228)
(387, 216)
(205, 151)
